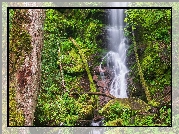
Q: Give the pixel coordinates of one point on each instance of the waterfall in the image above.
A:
(115, 58)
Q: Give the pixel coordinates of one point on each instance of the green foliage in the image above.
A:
(157, 72)
(121, 111)
(65, 110)
(84, 60)
(152, 29)
(151, 44)
(165, 116)
(62, 111)
(84, 27)
(11, 14)
(150, 24)
(144, 120)
(63, 65)
(72, 62)
(117, 114)
(162, 119)
(117, 111)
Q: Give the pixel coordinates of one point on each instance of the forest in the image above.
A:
(69, 88)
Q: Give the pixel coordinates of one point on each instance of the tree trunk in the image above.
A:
(29, 74)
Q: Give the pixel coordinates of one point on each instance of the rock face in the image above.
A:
(102, 82)
(95, 78)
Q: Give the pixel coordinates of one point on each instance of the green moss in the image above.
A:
(19, 38)
(16, 117)
(117, 122)
(19, 47)
(86, 111)
(143, 82)
(72, 62)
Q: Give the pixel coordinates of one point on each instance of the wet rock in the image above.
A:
(97, 122)
(102, 84)
(99, 70)
(101, 89)
(96, 70)
(95, 78)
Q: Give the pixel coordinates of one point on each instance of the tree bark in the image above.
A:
(29, 74)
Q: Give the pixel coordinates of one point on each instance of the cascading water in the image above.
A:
(116, 57)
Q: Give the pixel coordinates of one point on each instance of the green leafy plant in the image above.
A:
(117, 115)
(151, 45)
(63, 68)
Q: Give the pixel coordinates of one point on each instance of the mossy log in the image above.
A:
(144, 85)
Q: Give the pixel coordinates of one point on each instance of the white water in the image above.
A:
(116, 57)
